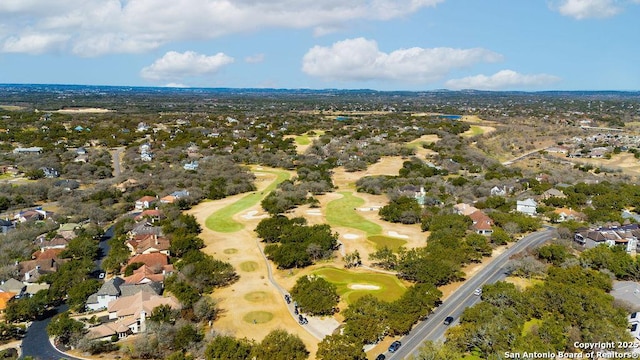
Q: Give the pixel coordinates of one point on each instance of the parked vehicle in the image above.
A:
(478, 292)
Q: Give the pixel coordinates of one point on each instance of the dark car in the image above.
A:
(381, 357)
(394, 346)
(448, 320)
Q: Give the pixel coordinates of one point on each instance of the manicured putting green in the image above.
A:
(222, 220)
(388, 241)
(257, 317)
(342, 212)
(351, 285)
(257, 296)
(249, 266)
(230, 251)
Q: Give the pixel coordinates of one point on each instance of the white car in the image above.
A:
(478, 292)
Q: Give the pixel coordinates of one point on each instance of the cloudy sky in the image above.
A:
(374, 44)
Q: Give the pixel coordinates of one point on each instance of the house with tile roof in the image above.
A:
(116, 288)
(464, 209)
(482, 224)
(4, 300)
(145, 202)
(130, 314)
(146, 244)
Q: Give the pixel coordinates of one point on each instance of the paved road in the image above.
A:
(115, 159)
(433, 329)
(36, 342)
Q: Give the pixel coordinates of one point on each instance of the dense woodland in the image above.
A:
(225, 131)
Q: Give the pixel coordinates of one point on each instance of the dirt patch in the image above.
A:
(84, 111)
(395, 234)
(351, 236)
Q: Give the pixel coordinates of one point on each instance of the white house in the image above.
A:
(527, 206)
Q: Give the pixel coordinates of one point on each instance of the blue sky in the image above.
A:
(352, 44)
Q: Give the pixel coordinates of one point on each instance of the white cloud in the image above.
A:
(177, 66)
(175, 85)
(254, 59)
(361, 60)
(34, 43)
(502, 80)
(97, 27)
(584, 9)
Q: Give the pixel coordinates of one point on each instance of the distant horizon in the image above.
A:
(317, 89)
(388, 45)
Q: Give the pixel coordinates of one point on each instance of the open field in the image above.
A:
(84, 111)
(392, 243)
(222, 220)
(476, 130)
(354, 284)
(11, 107)
(304, 141)
(624, 162)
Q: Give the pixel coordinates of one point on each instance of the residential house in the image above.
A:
(464, 209)
(31, 270)
(116, 288)
(192, 166)
(81, 155)
(527, 206)
(552, 193)
(565, 214)
(625, 236)
(58, 242)
(6, 225)
(31, 215)
(145, 202)
(13, 286)
(149, 243)
(482, 224)
(151, 214)
(29, 150)
(498, 191)
(146, 274)
(130, 314)
(171, 198)
(145, 228)
(4, 300)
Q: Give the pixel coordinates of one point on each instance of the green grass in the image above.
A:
(473, 131)
(526, 328)
(258, 317)
(390, 242)
(257, 296)
(341, 212)
(303, 140)
(390, 287)
(249, 266)
(5, 176)
(230, 251)
(222, 220)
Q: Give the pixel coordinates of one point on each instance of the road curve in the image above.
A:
(433, 329)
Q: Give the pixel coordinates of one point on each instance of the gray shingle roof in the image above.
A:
(111, 287)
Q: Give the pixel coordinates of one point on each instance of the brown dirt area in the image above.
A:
(625, 162)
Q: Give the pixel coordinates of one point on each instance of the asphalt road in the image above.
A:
(433, 329)
(36, 342)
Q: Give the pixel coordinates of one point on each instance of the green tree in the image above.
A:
(229, 348)
(186, 335)
(66, 330)
(340, 347)
(280, 345)
(315, 295)
(367, 319)
(79, 292)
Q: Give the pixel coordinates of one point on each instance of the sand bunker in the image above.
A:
(350, 236)
(395, 234)
(83, 110)
(363, 287)
(314, 212)
(252, 215)
(370, 208)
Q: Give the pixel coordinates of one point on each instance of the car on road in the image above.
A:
(448, 320)
(394, 346)
(380, 357)
(101, 275)
(478, 292)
